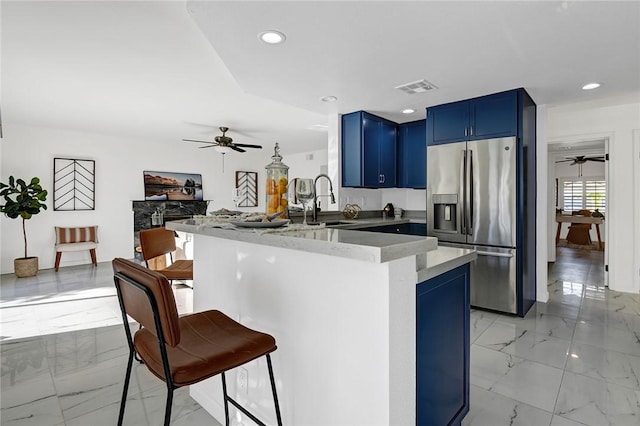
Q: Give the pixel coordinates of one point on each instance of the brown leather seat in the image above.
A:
(158, 242)
(183, 350)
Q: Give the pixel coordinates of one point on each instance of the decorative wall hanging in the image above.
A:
(74, 184)
(159, 186)
(247, 183)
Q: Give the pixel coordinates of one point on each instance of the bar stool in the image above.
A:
(158, 242)
(183, 350)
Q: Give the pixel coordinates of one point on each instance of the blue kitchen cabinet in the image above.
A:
(442, 348)
(401, 228)
(352, 150)
(368, 151)
(448, 123)
(412, 155)
(491, 116)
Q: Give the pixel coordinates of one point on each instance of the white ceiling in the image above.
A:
(166, 69)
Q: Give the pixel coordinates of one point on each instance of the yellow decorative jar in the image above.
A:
(276, 184)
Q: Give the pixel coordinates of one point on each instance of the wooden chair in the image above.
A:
(183, 350)
(160, 242)
(579, 233)
(76, 239)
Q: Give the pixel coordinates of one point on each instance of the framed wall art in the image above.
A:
(160, 186)
(247, 183)
(74, 184)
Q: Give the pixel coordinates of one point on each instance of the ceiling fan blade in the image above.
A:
(235, 148)
(208, 146)
(193, 140)
(245, 145)
(564, 161)
(574, 163)
(600, 160)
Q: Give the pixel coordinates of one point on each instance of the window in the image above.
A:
(584, 193)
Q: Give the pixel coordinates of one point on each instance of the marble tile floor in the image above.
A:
(572, 361)
(75, 298)
(64, 354)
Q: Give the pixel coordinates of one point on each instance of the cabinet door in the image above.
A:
(442, 348)
(412, 155)
(448, 123)
(494, 116)
(387, 154)
(369, 146)
(371, 140)
(352, 149)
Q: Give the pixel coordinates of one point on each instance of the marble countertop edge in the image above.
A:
(352, 244)
(444, 259)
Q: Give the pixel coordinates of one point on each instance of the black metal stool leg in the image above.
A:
(226, 400)
(167, 409)
(273, 389)
(126, 388)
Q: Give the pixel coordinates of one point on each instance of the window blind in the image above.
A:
(587, 194)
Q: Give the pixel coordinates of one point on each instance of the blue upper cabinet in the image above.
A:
(387, 155)
(494, 116)
(412, 155)
(448, 123)
(491, 116)
(352, 153)
(368, 151)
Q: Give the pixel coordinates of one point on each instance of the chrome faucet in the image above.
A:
(316, 196)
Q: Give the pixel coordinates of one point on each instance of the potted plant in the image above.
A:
(23, 200)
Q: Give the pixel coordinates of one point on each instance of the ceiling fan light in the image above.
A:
(222, 149)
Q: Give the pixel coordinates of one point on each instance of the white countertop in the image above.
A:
(361, 245)
(444, 259)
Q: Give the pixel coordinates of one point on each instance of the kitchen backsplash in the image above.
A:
(375, 199)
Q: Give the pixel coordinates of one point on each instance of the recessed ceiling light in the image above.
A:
(408, 111)
(272, 37)
(590, 86)
(328, 99)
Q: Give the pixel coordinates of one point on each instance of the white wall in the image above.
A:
(28, 151)
(616, 122)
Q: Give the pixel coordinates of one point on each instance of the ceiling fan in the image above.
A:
(224, 143)
(580, 160)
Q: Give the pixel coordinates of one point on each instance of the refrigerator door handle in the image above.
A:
(470, 192)
(463, 190)
(492, 254)
(470, 196)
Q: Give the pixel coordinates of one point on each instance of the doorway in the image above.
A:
(578, 181)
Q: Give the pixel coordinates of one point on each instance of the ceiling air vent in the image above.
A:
(419, 86)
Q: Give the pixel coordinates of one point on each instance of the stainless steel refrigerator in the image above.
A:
(471, 203)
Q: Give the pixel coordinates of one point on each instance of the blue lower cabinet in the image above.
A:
(402, 228)
(442, 348)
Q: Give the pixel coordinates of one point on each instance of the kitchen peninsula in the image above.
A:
(366, 323)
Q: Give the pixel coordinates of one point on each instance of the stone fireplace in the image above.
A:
(143, 218)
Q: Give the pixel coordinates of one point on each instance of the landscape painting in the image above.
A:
(159, 186)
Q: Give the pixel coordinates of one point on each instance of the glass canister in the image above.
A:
(277, 181)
